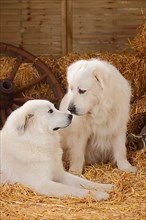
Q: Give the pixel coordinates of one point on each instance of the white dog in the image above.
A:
(99, 96)
(31, 152)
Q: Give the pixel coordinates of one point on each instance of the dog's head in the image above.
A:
(86, 85)
(40, 116)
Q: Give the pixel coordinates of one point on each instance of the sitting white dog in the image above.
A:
(31, 152)
(99, 96)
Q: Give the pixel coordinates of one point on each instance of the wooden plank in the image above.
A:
(44, 12)
(37, 24)
(94, 4)
(42, 41)
(64, 26)
(39, 51)
(10, 29)
(69, 17)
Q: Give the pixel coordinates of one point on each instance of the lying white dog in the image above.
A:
(31, 152)
(99, 96)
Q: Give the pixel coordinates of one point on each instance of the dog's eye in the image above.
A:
(81, 91)
(50, 111)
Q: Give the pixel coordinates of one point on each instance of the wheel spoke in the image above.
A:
(15, 68)
(14, 107)
(3, 116)
(9, 111)
(29, 85)
(21, 101)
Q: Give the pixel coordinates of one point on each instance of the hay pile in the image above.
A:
(138, 115)
(138, 44)
(127, 201)
(128, 196)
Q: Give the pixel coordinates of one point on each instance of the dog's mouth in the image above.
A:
(55, 129)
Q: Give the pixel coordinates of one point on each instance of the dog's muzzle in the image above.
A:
(70, 117)
(72, 109)
(69, 121)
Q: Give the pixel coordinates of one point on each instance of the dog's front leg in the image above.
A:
(77, 181)
(77, 154)
(55, 189)
(119, 150)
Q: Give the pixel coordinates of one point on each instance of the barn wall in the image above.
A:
(34, 24)
(55, 27)
(105, 24)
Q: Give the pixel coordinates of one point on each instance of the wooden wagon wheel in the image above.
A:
(9, 95)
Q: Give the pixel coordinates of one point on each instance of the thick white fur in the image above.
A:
(100, 97)
(31, 152)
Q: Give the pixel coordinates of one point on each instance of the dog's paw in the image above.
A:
(99, 195)
(76, 171)
(103, 186)
(108, 186)
(126, 166)
(130, 168)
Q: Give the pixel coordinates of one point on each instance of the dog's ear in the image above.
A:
(99, 78)
(23, 123)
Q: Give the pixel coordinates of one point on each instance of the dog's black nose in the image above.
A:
(70, 117)
(72, 109)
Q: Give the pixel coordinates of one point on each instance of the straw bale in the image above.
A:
(52, 63)
(127, 201)
(138, 44)
(137, 116)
